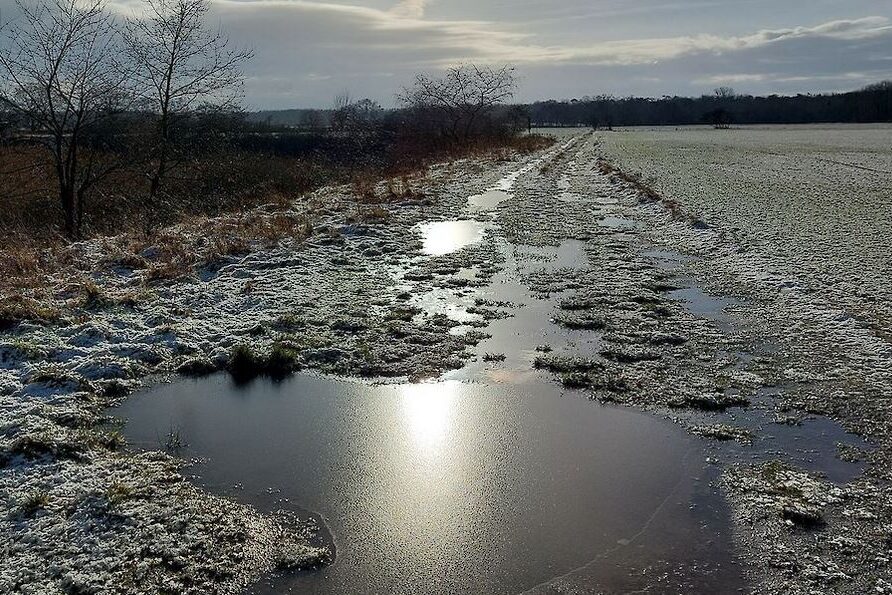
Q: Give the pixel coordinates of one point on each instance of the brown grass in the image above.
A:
(646, 191)
(213, 210)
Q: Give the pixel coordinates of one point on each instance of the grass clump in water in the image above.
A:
(244, 363)
(282, 360)
(580, 320)
(576, 380)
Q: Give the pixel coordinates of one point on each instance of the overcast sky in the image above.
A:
(308, 51)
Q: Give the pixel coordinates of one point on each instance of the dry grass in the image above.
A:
(247, 206)
(364, 188)
(401, 189)
(178, 251)
(645, 190)
(532, 143)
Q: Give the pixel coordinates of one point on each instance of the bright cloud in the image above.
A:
(309, 50)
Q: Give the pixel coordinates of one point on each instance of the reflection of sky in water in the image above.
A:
(443, 237)
(487, 200)
(442, 487)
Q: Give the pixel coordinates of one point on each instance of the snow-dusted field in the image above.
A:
(749, 303)
(798, 227)
(815, 199)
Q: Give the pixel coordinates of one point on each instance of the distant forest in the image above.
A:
(722, 108)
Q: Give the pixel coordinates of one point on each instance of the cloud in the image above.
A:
(307, 51)
(847, 78)
(482, 41)
(410, 9)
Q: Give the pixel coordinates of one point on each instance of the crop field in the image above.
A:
(814, 199)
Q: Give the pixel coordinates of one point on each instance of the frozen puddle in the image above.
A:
(668, 260)
(620, 223)
(698, 302)
(501, 191)
(495, 481)
(488, 200)
(443, 237)
(456, 487)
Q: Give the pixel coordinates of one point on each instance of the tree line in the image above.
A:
(721, 108)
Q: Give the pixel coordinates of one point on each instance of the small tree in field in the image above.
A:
(60, 76)
(180, 65)
(462, 99)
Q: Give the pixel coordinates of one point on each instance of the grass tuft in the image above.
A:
(33, 502)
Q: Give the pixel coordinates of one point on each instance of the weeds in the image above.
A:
(36, 446)
(173, 441)
(244, 363)
(401, 190)
(93, 297)
(282, 360)
(15, 308)
(27, 349)
(33, 502)
(364, 189)
(118, 493)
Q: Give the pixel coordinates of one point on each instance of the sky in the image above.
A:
(307, 51)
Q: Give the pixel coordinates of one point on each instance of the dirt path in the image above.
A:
(645, 310)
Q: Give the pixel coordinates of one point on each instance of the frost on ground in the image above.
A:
(794, 222)
(354, 293)
(78, 512)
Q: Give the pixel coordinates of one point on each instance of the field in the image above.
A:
(793, 223)
(814, 199)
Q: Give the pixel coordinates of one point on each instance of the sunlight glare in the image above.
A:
(428, 410)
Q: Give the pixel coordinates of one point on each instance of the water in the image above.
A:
(488, 200)
(620, 223)
(491, 481)
(443, 237)
(811, 444)
(455, 487)
(702, 304)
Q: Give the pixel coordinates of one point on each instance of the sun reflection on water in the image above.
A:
(429, 412)
(443, 237)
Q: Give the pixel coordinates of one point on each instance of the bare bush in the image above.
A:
(180, 65)
(459, 104)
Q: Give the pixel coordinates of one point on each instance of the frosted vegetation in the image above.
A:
(815, 199)
(678, 296)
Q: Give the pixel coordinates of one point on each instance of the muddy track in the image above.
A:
(649, 312)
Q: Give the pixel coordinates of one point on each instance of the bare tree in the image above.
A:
(721, 93)
(60, 75)
(355, 118)
(462, 97)
(312, 120)
(721, 117)
(181, 65)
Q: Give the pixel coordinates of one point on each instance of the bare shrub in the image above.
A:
(180, 65)
(460, 104)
